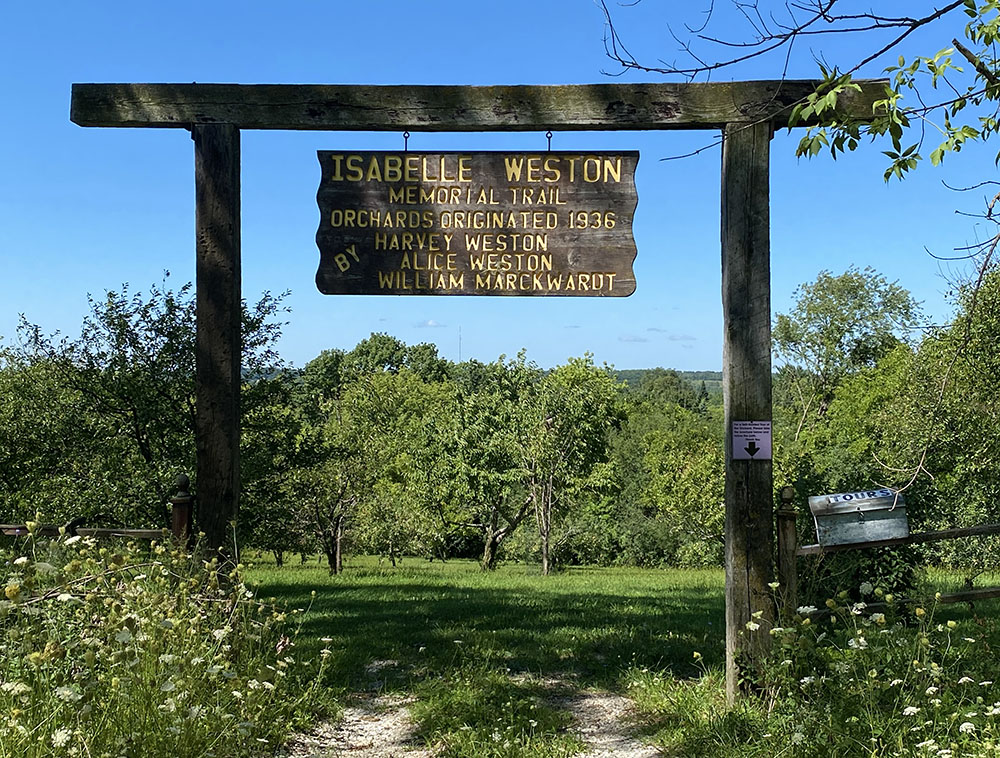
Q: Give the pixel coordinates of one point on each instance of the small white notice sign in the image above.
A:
(751, 440)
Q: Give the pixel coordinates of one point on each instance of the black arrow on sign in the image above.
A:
(752, 448)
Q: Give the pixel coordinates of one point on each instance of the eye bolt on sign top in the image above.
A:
(477, 223)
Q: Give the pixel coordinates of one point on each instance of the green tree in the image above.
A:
(491, 497)
(838, 325)
(130, 373)
(568, 445)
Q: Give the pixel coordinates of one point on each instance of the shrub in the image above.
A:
(127, 651)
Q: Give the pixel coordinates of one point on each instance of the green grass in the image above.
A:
(474, 647)
(589, 623)
(475, 650)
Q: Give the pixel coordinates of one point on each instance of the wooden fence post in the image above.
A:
(787, 545)
(182, 511)
(219, 339)
(746, 381)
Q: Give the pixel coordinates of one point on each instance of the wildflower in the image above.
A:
(920, 612)
(15, 688)
(798, 738)
(931, 691)
(866, 588)
(911, 710)
(966, 727)
(21, 561)
(773, 585)
(952, 624)
(68, 694)
(987, 683)
(807, 680)
(805, 610)
(61, 736)
(696, 655)
(895, 682)
(857, 643)
(965, 680)
(753, 626)
(878, 618)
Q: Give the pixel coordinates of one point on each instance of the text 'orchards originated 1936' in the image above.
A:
(479, 223)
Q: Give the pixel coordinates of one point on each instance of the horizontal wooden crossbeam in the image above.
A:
(336, 107)
(943, 534)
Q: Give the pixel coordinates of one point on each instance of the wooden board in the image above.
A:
(477, 223)
(577, 107)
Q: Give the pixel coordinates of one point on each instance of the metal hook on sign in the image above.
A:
(548, 136)
(406, 141)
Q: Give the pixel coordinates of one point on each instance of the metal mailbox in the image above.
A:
(867, 516)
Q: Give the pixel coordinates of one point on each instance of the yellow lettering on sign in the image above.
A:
(354, 172)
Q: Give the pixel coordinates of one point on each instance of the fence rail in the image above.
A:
(789, 551)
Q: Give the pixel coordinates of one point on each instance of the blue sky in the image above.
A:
(84, 210)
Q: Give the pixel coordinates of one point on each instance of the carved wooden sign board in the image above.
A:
(477, 223)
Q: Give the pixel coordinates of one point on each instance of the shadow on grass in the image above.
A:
(388, 628)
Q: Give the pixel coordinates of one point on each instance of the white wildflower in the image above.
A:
(911, 710)
(966, 727)
(965, 680)
(21, 561)
(805, 610)
(895, 682)
(68, 694)
(61, 736)
(931, 691)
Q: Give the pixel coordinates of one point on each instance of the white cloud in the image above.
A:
(429, 324)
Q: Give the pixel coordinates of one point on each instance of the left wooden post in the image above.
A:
(219, 336)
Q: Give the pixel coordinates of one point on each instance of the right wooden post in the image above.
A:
(746, 378)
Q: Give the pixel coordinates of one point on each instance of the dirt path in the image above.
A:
(381, 727)
(376, 727)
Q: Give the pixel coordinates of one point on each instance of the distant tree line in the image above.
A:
(390, 449)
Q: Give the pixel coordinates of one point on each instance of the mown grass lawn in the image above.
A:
(591, 623)
(480, 651)
(476, 650)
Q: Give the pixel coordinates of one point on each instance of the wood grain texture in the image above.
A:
(746, 368)
(696, 105)
(217, 421)
(477, 223)
(936, 536)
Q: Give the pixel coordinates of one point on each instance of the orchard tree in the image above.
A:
(491, 497)
(132, 368)
(566, 454)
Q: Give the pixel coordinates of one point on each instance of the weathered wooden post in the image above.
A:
(219, 334)
(746, 380)
(182, 511)
(787, 545)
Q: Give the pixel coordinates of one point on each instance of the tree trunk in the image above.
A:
(491, 550)
(279, 557)
(339, 546)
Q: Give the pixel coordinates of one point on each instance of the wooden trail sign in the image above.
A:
(477, 223)
(746, 112)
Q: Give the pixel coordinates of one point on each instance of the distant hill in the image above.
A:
(712, 379)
